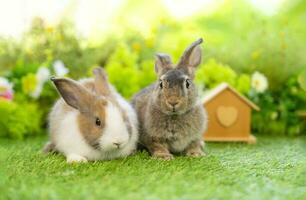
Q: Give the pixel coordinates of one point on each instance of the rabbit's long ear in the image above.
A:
(73, 93)
(191, 58)
(101, 82)
(162, 63)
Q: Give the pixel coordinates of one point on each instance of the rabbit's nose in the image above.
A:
(173, 103)
(117, 144)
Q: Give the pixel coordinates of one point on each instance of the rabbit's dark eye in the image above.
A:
(98, 122)
(160, 84)
(187, 83)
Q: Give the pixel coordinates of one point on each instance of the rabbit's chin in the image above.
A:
(174, 112)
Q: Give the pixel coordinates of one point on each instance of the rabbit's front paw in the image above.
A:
(163, 155)
(74, 158)
(198, 153)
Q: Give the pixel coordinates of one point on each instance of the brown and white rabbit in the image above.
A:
(171, 117)
(91, 121)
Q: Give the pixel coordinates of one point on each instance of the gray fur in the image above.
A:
(172, 120)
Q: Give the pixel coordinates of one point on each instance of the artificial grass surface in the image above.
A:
(274, 168)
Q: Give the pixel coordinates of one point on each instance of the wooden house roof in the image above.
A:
(223, 86)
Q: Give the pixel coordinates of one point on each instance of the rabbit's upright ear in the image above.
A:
(162, 63)
(191, 58)
(73, 93)
(101, 83)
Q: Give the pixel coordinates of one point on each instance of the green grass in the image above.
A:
(274, 168)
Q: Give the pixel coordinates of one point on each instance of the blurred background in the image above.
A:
(256, 46)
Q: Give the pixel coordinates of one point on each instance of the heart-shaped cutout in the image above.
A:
(227, 116)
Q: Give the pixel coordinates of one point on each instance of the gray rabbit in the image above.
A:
(171, 117)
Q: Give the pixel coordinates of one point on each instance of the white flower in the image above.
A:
(259, 82)
(59, 68)
(42, 75)
(36, 93)
(5, 84)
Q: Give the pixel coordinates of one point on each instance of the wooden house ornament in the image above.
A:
(229, 115)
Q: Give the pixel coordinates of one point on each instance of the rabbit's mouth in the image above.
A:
(173, 111)
(111, 148)
(176, 111)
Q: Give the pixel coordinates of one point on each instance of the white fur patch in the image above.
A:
(74, 158)
(115, 130)
(69, 140)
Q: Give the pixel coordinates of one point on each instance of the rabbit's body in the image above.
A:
(171, 118)
(73, 135)
(177, 131)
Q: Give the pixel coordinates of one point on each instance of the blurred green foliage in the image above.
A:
(127, 72)
(279, 108)
(213, 73)
(19, 120)
(238, 40)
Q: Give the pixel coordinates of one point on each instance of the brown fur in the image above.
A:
(101, 83)
(171, 120)
(88, 97)
(92, 133)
